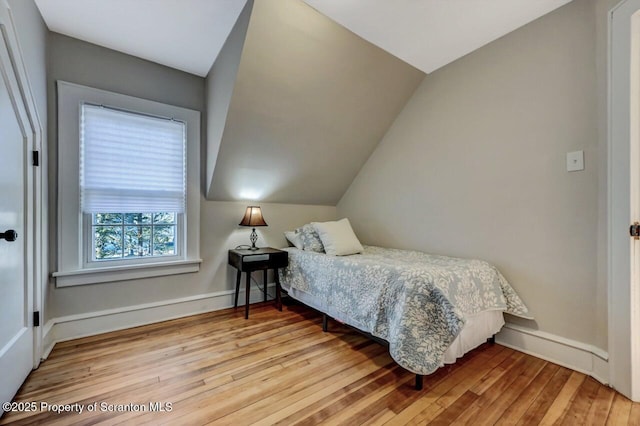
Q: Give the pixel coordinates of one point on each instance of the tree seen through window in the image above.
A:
(133, 235)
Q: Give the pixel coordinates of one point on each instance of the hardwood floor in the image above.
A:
(280, 368)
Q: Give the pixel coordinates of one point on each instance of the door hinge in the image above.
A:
(36, 319)
(36, 158)
(634, 230)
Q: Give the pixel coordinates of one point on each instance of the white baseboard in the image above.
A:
(575, 355)
(88, 324)
(568, 353)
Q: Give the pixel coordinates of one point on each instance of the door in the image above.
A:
(16, 331)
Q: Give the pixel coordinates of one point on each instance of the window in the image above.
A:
(128, 187)
(132, 183)
(116, 236)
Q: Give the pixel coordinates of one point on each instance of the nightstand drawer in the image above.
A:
(256, 260)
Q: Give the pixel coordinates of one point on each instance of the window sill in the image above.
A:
(124, 273)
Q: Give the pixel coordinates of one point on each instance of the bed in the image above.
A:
(430, 309)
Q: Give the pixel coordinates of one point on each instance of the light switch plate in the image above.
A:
(575, 161)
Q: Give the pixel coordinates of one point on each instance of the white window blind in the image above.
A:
(130, 162)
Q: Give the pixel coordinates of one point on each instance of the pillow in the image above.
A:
(338, 238)
(294, 239)
(310, 239)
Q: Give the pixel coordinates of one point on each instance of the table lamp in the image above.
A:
(253, 217)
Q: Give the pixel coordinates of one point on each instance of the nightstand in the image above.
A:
(262, 259)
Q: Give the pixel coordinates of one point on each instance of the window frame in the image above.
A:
(75, 262)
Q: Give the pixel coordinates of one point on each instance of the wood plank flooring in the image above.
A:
(280, 368)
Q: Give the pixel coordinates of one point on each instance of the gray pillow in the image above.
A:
(310, 238)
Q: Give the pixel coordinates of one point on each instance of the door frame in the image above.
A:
(36, 229)
(624, 197)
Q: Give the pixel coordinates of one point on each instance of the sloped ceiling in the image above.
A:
(429, 34)
(186, 34)
(310, 103)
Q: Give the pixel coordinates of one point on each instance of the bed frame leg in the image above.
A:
(491, 339)
(419, 381)
(325, 322)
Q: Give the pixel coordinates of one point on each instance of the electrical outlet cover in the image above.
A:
(575, 161)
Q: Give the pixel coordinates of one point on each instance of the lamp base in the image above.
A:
(253, 238)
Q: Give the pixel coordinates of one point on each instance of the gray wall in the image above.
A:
(87, 64)
(474, 166)
(311, 102)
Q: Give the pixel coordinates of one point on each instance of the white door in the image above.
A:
(16, 332)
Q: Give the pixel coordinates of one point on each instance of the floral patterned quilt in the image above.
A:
(415, 301)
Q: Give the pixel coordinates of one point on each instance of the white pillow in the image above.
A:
(338, 237)
(294, 239)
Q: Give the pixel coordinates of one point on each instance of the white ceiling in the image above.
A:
(185, 34)
(429, 34)
(188, 34)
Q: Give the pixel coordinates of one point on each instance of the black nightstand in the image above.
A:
(262, 259)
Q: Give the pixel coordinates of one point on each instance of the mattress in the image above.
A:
(476, 330)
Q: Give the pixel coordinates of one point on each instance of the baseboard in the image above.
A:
(568, 353)
(575, 355)
(88, 324)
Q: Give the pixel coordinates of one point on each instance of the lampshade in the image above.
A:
(253, 217)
